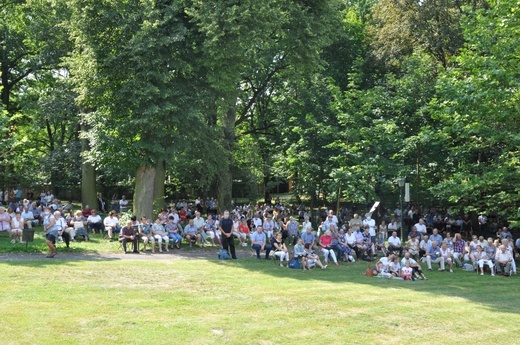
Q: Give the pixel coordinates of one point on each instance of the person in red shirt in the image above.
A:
(326, 247)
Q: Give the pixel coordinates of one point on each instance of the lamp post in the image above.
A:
(400, 181)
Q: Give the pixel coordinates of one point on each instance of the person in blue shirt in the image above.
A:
(433, 254)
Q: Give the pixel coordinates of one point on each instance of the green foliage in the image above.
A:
(478, 105)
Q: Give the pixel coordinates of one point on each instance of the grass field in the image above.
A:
(199, 301)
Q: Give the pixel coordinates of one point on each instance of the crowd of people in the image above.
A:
(285, 232)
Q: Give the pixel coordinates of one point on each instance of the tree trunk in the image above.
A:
(144, 190)
(88, 176)
(225, 181)
(160, 177)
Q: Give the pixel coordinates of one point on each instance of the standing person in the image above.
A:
(101, 203)
(226, 228)
(371, 223)
(123, 204)
(51, 231)
(482, 225)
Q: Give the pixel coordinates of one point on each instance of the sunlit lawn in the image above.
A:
(197, 301)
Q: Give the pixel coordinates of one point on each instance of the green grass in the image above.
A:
(197, 301)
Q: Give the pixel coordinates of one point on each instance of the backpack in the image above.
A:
(223, 254)
(294, 263)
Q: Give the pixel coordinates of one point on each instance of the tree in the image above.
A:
(131, 64)
(477, 104)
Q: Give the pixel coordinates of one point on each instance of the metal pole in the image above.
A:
(402, 210)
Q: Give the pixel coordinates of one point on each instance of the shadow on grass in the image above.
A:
(495, 293)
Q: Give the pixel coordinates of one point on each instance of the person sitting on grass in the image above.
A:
(308, 237)
(280, 249)
(380, 243)
(311, 259)
(407, 271)
(94, 221)
(160, 234)
(417, 270)
(128, 234)
(173, 233)
(394, 244)
(326, 247)
(424, 246)
(484, 260)
(503, 259)
(446, 253)
(51, 231)
(16, 228)
(145, 233)
(395, 267)
(433, 255)
(299, 249)
(367, 245)
(191, 235)
(458, 249)
(111, 224)
(259, 242)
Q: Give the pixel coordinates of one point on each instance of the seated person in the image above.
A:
(367, 245)
(28, 217)
(212, 229)
(128, 234)
(145, 233)
(326, 247)
(259, 242)
(243, 232)
(433, 254)
(424, 245)
(112, 224)
(160, 234)
(484, 260)
(78, 225)
(446, 253)
(280, 249)
(436, 237)
(394, 244)
(308, 237)
(190, 233)
(299, 249)
(344, 250)
(407, 271)
(416, 267)
(311, 258)
(380, 243)
(94, 221)
(395, 267)
(458, 249)
(17, 224)
(173, 233)
(503, 260)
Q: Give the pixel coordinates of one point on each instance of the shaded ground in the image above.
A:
(175, 254)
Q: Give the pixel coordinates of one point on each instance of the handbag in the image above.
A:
(369, 272)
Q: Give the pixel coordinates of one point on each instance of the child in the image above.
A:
(407, 271)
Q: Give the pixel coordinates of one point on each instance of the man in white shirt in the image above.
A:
(28, 217)
(334, 218)
(503, 259)
(421, 227)
(94, 221)
(111, 224)
(394, 244)
(371, 223)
